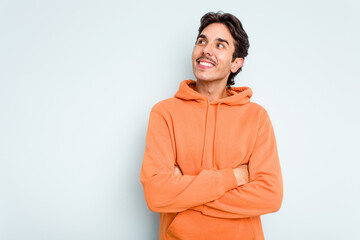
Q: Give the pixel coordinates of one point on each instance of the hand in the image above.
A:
(241, 174)
(177, 170)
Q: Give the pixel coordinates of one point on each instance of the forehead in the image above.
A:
(217, 30)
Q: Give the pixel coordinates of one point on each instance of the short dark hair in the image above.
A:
(237, 32)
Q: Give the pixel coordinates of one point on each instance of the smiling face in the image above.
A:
(213, 53)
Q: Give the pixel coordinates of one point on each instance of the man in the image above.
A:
(211, 165)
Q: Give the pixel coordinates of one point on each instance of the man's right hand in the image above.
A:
(241, 174)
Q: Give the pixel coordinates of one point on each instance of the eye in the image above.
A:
(201, 41)
(220, 45)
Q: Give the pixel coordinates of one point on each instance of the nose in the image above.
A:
(207, 50)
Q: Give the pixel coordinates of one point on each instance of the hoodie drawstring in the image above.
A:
(236, 96)
(206, 123)
(217, 114)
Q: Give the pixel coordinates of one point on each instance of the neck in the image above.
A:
(212, 90)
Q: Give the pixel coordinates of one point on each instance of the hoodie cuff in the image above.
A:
(199, 208)
(228, 178)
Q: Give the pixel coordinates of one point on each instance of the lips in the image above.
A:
(205, 63)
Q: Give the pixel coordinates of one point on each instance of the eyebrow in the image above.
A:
(222, 40)
(218, 39)
(201, 36)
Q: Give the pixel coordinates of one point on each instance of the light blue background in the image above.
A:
(78, 80)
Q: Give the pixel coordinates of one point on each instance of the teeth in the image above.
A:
(206, 64)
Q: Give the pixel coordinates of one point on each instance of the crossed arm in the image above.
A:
(241, 174)
(245, 191)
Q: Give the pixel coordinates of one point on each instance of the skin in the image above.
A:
(215, 46)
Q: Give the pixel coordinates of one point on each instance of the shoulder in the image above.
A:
(164, 106)
(258, 108)
(260, 112)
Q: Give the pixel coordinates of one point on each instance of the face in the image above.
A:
(213, 52)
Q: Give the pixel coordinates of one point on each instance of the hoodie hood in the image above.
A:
(236, 95)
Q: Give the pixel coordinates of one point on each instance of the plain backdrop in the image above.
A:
(77, 82)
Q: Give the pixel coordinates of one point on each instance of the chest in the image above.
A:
(214, 137)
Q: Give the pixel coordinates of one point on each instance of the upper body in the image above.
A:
(211, 164)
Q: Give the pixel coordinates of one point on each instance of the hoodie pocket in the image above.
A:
(193, 225)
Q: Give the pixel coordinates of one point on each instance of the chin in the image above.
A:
(204, 79)
(201, 76)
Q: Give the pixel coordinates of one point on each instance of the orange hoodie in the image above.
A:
(207, 140)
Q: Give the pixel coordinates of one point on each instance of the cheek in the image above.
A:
(196, 52)
(193, 55)
(226, 60)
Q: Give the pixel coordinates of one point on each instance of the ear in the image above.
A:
(237, 63)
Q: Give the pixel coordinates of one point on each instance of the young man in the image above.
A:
(211, 165)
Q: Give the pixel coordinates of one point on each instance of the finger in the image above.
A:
(177, 170)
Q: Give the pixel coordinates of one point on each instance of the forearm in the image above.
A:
(252, 199)
(166, 192)
(246, 201)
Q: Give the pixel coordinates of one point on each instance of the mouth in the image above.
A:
(205, 63)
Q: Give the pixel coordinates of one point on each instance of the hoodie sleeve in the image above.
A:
(166, 192)
(264, 193)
